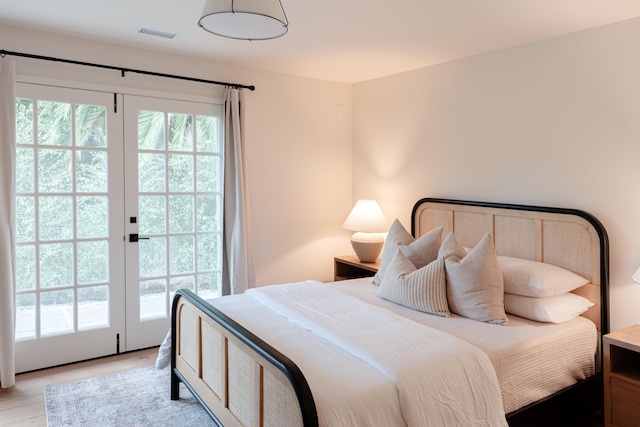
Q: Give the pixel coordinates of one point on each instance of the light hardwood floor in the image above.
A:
(23, 404)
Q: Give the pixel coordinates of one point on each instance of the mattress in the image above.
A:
(530, 358)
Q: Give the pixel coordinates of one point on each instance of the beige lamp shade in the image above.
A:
(244, 19)
(367, 219)
(366, 216)
(636, 276)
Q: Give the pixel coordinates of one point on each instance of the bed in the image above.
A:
(253, 360)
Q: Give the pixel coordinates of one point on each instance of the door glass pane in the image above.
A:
(25, 219)
(26, 274)
(54, 171)
(151, 173)
(151, 130)
(54, 123)
(153, 258)
(25, 316)
(208, 252)
(91, 171)
(55, 215)
(91, 126)
(181, 250)
(208, 218)
(153, 296)
(93, 261)
(208, 285)
(92, 216)
(152, 214)
(207, 134)
(180, 173)
(180, 132)
(93, 307)
(182, 282)
(56, 265)
(25, 180)
(57, 311)
(209, 173)
(180, 214)
(24, 121)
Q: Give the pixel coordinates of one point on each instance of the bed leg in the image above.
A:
(175, 386)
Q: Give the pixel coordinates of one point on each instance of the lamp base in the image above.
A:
(367, 246)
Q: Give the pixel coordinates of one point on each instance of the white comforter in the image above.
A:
(440, 379)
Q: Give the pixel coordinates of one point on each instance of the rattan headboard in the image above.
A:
(568, 238)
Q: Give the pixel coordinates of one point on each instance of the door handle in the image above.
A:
(133, 237)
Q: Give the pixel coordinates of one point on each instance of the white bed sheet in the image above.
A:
(530, 358)
(441, 380)
(349, 394)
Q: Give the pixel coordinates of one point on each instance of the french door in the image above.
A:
(173, 206)
(94, 171)
(69, 249)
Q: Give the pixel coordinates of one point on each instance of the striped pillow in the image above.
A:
(423, 289)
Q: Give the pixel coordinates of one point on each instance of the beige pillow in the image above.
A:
(420, 252)
(423, 289)
(475, 287)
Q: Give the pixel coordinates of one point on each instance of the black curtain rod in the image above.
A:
(4, 53)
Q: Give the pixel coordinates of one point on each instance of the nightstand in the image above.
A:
(350, 267)
(622, 377)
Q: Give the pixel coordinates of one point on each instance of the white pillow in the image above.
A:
(475, 286)
(420, 252)
(537, 279)
(554, 309)
(423, 289)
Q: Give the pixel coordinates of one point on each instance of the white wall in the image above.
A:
(298, 149)
(553, 123)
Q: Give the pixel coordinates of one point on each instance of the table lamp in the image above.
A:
(368, 221)
(636, 276)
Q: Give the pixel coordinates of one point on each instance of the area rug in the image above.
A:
(134, 398)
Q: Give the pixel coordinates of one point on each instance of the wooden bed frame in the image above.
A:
(242, 381)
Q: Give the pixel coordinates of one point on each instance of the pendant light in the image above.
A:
(244, 19)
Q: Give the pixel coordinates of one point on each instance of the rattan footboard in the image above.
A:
(239, 379)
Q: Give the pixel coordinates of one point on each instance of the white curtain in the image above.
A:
(7, 222)
(238, 272)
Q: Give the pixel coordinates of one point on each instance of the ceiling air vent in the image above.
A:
(153, 32)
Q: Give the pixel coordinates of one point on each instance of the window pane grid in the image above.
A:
(49, 297)
(179, 194)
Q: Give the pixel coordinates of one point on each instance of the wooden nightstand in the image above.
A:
(622, 377)
(350, 267)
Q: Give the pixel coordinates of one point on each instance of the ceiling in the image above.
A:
(339, 40)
